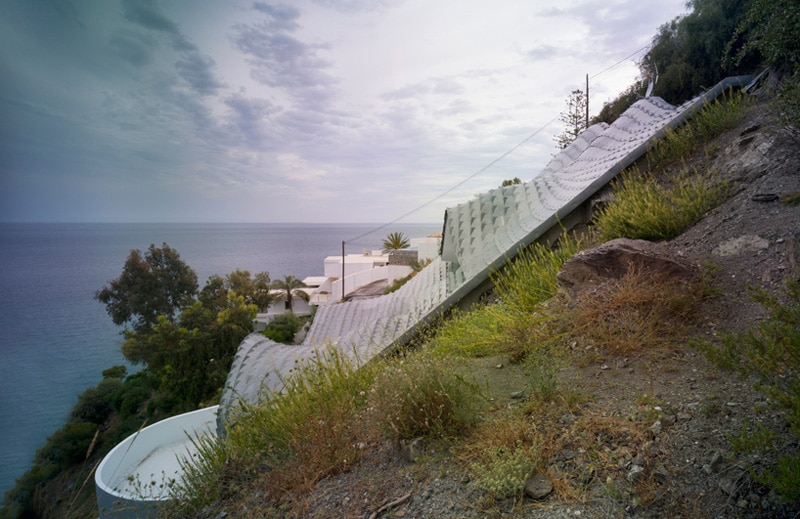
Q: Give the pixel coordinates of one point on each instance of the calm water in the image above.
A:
(55, 339)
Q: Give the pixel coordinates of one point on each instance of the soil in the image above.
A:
(679, 460)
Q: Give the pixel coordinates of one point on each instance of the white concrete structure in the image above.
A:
(135, 478)
(479, 237)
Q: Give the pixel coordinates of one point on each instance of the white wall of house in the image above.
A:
(427, 248)
(354, 263)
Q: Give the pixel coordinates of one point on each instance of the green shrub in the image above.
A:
(282, 328)
(479, 332)
(530, 278)
(314, 414)
(505, 470)
(771, 353)
(422, 395)
(712, 120)
(644, 209)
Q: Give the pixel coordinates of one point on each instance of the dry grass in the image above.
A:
(641, 311)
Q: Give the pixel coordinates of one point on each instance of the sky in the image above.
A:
(363, 111)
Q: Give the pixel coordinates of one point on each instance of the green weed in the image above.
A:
(422, 395)
(714, 119)
(644, 209)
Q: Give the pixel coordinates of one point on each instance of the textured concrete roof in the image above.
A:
(479, 236)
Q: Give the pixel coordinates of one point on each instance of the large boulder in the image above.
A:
(613, 259)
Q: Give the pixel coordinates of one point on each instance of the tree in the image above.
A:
(688, 53)
(574, 118)
(254, 289)
(156, 284)
(511, 182)
(395, 241)
(289, 290)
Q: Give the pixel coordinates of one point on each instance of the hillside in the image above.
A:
(645, 432)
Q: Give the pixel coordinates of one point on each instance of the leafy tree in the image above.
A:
(770, 31)
(688, 52)
(289, 290)
(254, 289)
(613, 109)
(395, 241)
(574, 118)
(511, 182)
(156, 284)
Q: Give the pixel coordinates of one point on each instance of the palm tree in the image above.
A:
(289, 290)
(395, 241)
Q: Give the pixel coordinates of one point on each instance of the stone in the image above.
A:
(661, 474)
(656, 428)
(411, 450)
(613, 259)
(538, 487)
(743, 244)
(636, 473)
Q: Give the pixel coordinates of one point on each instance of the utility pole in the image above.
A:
(587, 100)
(342, 270)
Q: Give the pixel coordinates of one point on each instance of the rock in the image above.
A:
(517, 395)
(613, 259)
(742, 244)
(636, 473)
(730, 484)
(538, 487)
(412, 449)
(656, 428)
(661, 474)
(716, 461)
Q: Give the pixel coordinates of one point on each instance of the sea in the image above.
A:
(56, 338)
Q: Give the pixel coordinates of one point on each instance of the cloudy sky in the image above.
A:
(302, 111)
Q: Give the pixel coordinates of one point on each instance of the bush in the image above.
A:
(422, 396)
(312, 423)
(505, 471)
(712, 120)
(530, 278)
(645, 209)
(282, 328)
(637, 312)
(771, 353)
(479, 332)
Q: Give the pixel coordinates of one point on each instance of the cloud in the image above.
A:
(148, 14)
(198, 71)
(249, 116)
(280, 17)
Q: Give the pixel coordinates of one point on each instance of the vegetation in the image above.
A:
(574, 118)
(284, 327)
(395, 241)
(170, 283)
(511, 182)
(289, 288)
(654, 208)
(771, 353)
(184, 340)
(718, 39)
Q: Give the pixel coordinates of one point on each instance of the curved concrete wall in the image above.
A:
(133, 480)
(479, 237)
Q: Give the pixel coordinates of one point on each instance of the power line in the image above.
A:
(623, 60)
(487, 166)
(498, 159)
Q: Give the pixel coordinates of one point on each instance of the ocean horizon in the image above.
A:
(57, 339)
